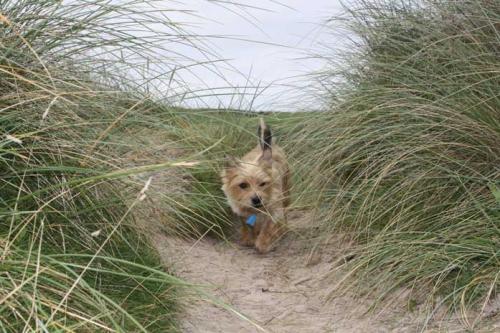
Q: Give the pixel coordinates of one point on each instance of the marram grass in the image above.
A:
(407, 156)
(71, 256)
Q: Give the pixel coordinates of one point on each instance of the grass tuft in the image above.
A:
(71, 256)
(407, 155)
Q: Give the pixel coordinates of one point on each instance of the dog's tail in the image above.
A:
(265, 135)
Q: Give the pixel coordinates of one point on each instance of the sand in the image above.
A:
(283, 291)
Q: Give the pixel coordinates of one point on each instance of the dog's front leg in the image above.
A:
(265, 238)
(247, 235)
(273, 228)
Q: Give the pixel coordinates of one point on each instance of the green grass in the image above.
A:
(79, 141)
(72, 256)
(407, 156)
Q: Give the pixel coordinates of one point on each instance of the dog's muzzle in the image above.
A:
(256, 202)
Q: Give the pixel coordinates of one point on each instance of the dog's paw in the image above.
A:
(247, 242)
(262, 246)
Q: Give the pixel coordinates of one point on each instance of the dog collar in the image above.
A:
(251, 220)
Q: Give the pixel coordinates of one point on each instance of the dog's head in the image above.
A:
(248, 183)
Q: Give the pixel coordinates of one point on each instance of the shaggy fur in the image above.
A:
(258, 183)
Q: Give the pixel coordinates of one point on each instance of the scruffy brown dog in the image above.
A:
(257, 189)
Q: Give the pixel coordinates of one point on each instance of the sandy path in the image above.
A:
(282, 291)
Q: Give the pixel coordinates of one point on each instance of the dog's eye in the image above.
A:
(243, 185)
(263, 184)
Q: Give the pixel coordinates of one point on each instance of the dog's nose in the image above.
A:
(256, 202)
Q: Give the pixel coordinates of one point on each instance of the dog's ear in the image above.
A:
(265, 135)
(267, 155)
(230, 162)
(265, 141)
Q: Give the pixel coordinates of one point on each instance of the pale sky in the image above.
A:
(269, 44)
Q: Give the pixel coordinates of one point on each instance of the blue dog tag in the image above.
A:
(251, 220)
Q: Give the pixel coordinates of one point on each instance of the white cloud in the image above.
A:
(283, 36)
(267, 44)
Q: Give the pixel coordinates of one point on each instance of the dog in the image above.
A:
(257, 189)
